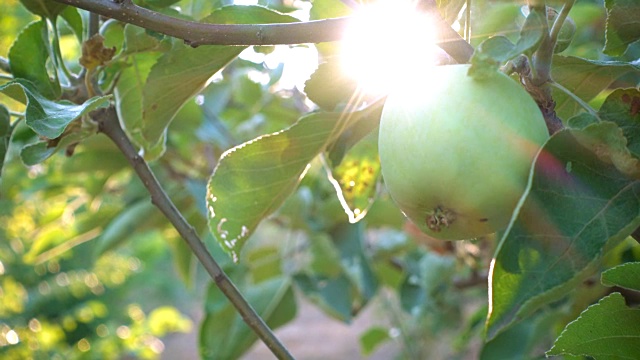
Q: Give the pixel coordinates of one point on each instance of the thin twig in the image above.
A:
(196, 33)
(109, 125)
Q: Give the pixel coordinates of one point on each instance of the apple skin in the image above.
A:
(456, 154)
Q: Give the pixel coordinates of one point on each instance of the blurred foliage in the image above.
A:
(90, 269)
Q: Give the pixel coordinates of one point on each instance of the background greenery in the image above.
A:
(90, 269)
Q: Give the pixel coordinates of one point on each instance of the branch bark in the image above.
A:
(109, 125)
(196, 33)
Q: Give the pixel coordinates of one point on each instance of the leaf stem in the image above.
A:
(58, 54)
(108, 124)
(562, 16)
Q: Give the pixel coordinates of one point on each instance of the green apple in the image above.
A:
(456, 151)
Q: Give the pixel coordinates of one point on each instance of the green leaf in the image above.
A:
(578, 202)
(623, 26)
(123, 225)
(514, 343)
(28, 59)
(128, 93)
(372, 338)
(493, 52)
(40, 151)
(623, 108)
(329, 87)
(585, 79)
(449, 9)
(331, 294)
(428, 278)
(5, 133)
(223, 334)
(625, 275)
(349, 239)
(163, 95)
(252, 180)
(607, 330)
(50, 118)
(72, 16)
(137, 39)
(45, 8)
(357, 177)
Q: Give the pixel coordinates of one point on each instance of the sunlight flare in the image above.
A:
(386, 43)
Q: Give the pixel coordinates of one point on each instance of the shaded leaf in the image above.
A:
(183, 71)
(356, 178)
(625, 275)
(28, 58)
(577, 203)
(223, 334)
(623, 26)
(45, 8)
(137, 39)
(40, 151)
(623, 108)
(349, 239)
(331, 294)
(606, 330)
(252, 180)
(516, 342)
(5, 133)
(122, 226)
(584, 78)
(50, 118)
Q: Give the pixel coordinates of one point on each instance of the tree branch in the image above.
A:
(196, 33)
(109, 125)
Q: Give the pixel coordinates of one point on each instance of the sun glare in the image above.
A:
(386, 43)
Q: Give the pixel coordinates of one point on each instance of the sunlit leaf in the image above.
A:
(496, 50)
(584, 78)
(72, 16)
(252, 180)
(50, 118)
(583, 195)
(223, 334)
(128, 94)
(607, 330)
(372, 338)
(28, 58)
(449, 9)
(623, 26)
(183, 71)
(329, 87)
(626, 275)
(356, 178)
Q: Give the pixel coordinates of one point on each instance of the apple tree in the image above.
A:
(467, 167)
